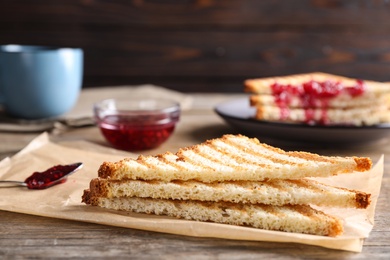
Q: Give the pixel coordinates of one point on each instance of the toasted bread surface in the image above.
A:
(231, 158)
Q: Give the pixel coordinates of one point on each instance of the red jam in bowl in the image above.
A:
(137, 124)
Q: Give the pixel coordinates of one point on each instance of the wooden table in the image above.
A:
(27, 236)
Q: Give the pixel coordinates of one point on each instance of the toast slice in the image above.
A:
(356, 116)
(263, 85)
(298, 219)
(320, 98)
(231, 158)
(271, 192)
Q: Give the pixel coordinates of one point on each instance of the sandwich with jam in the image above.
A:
(319, 99)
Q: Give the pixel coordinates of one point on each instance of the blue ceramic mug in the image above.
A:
(38, 81)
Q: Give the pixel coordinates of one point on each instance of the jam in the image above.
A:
(313, 95)
(50, 177)
(131, 135)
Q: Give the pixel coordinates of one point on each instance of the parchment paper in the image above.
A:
(64, 200)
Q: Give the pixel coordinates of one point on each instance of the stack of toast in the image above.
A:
(232, 180)
(320, 99)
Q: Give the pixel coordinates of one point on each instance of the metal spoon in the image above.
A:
(42, 180)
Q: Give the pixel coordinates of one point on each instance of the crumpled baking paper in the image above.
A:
(64, 201)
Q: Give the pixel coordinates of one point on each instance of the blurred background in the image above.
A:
(207, 45)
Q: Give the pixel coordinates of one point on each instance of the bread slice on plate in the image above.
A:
(263, 85)
(320, 99)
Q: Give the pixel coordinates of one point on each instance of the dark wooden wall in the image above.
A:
(207, 45)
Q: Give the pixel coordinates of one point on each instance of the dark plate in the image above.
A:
(239, 114)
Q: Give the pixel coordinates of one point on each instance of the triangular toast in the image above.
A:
(297, 218)
(271, 192)
(231, 158)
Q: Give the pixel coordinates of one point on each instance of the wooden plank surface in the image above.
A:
(34, 237)
(207, 45)
(26, 236)
(38, 237)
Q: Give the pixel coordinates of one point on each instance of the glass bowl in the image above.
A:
(136, 124)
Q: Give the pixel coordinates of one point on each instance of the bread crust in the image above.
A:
(262, 85)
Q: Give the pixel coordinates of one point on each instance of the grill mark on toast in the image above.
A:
(143, 160)
(233, 156)
(238, 154)
(197, 150)
(235, 162)
(228, 139)
(193, 161)
(182, 156)
(152, 166)
(164, 159)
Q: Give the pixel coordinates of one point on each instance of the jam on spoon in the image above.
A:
(52, 176)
